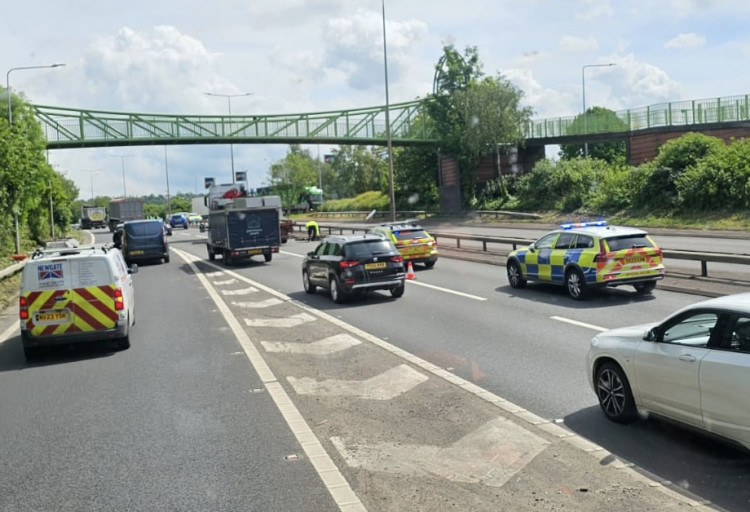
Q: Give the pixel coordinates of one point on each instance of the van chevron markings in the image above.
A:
(389, 384)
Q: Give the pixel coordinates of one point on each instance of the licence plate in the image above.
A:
(136, 252)
(372, 266)
(635, 260)
(255, 251)
(52, 316)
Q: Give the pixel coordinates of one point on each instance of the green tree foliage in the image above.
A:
(358, 169)
(597, 119)
(558, 185)
(415, 176)
(719, 181)
(472, 113)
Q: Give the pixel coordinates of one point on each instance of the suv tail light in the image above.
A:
(348, 263)
(602, 254)
(397, 259)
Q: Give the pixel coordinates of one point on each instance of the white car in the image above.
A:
(693, 367)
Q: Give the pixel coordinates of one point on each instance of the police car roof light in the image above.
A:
(585, 224)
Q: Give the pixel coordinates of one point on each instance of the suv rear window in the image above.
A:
(367, 248)
(628, 242)
(144, 228)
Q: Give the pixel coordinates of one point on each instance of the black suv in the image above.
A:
(347, 265)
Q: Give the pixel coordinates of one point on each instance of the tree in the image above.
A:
(472, 114)
(598, 119)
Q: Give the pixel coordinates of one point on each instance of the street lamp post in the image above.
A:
(91, 176)
(583, 87)
(122, 158)
(389, 142)
(229, 104)
(10, 124)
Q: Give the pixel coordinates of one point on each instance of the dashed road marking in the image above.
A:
(579, 324)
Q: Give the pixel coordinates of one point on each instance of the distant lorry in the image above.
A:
(123, 210)
(247, 227)
(93, 217)
(199, 206)
(311, 198)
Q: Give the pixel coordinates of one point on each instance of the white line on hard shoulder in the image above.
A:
(579, 324)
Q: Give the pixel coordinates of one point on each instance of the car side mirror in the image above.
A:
(133, 269)
(650, 335)
(532, 247)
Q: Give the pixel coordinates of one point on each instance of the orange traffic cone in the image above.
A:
(410, 272)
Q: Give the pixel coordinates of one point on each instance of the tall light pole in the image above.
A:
(166, 170)
(91, 176)
(583, 87)
(10, 124)
(122, 158)
(388, 123)
(229, 104)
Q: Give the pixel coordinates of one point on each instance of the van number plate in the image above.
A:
(133, 253)
(52, 316)
(371, 266)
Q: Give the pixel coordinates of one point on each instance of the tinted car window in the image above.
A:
(368, 248)
(628, 242)
(144, 228)
(564, 241)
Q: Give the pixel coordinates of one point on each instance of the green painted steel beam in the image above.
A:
(69, 128)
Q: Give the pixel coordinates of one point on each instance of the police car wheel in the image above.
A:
(309, 287)
(646, 287)
(575, 284)
(515, 277)
(429, 264)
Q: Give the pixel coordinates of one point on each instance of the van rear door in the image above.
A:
(65, 296)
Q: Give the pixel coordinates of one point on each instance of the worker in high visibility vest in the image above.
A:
(313, 230)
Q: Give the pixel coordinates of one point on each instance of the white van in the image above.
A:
(76, 294)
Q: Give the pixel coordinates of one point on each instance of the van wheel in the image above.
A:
(166, 259)
(268, 257)
(227, 259)
(211, 254)
(124, 343)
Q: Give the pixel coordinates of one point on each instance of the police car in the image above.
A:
(411, 240)
(589, 254)
(76, 294)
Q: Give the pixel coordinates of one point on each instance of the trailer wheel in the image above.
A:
(211, 254)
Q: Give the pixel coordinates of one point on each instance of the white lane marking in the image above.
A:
(389, 384)
(290, 321)
(327, 470)
(9, 332)
(490, 455)
(325, 346)
(258, 304)
(579, 324)
(434, 287)
(226, 281)
(242, 291)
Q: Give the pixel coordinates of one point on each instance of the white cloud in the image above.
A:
(576, 44)
(686, 41)
(594, 9)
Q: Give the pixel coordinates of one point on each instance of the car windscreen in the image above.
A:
(628, 242)
(410, 234)
(368, 248)
(144, 229)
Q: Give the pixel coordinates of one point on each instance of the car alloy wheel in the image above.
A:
(309, 287)
(515, 278)
(575, 284)
(613, 392)
(336, 294)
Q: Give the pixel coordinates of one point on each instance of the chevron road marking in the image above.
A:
(242, 291)
(490, 455)
(290, 321)
(258, 304)
(322, 347)
(226, 281)
(385, 386)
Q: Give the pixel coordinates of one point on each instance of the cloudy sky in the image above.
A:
(295, 56)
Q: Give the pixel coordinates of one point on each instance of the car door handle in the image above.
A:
(688, 358)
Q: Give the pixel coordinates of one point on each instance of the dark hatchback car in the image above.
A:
(352, 265)
(144, 240)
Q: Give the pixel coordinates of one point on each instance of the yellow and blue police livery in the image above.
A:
(586, 254)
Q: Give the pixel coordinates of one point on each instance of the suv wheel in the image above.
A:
(575, 284)
(309, 287)
(337, 294)
(398, 291)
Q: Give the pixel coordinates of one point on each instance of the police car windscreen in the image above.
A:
(408, 234)
(628, 242)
